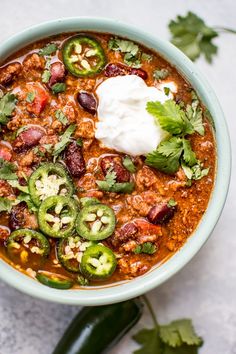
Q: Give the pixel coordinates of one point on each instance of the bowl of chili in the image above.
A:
(98, 262)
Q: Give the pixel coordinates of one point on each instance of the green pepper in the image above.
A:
(57, 215)
(48, 180)
(86, 201)
(21, 242)
(98, 262)
(96, 222)
(83, 56)
(52, 280)
(97, 329)
(125, 187)
(70, 251)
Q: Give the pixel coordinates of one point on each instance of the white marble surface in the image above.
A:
(205, 289)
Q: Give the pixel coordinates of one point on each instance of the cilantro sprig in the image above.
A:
(191, 35)
(176, 150)
(7, 170)
(177, 337)
(7, 106)
(110, 184)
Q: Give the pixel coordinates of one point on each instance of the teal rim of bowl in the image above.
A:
(140, 285)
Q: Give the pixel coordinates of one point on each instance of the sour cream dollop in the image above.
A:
(124, 123)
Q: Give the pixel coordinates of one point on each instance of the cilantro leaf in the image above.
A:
(188, 155)
(48, 50)
(150, 341)
(30, 97)
(7, 106)
(61, 117)
(195, 172)
(168, 114)
(194, 115)
(191, 35)
(146, 247)
(179, 332)
(146, 57)
(46, 76)
(166, 157)
(160, 74)
(16, 184)
(130, 49)
(24, 197)
(64, 140)
(109, 181)
(6, 204)
(128, 164)
(7, 170)
(58, 87)
(183, 349)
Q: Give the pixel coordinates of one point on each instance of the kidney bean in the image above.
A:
(74, 160)
(88, 102)
(16, 219)
(115, 163)
(128, 230)
(57, 71)
(28, 139)
(161, 213)
(9, 73)
(139, 72)
(113, 70)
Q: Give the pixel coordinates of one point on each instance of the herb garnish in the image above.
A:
(177, 337)
(110, 184)
(6, 204)
(175, 150)
(7, 106)
(48, 50)
(128, 164)
(46, 76)
(146, 247)
(64, 140)
(191, 35)
(30, 97)
(61, 117)
(131, 50)
(7, 170)
(58, 87)
(160, 74)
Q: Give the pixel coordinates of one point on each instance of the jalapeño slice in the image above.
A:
(98, 262)
(70, 251)
(96, 222)
(57, 215)
(83, 56)
(48, 180)
(27, 247)
(55, 281)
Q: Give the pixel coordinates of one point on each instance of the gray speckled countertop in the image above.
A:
(205, 289)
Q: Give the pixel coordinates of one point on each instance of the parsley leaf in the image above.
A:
(48, 50)
(30, 97)
(46, 76)
(6, 204)
(167, 156)
(64, 140)
(146, 247)
(61, 117)
(7, 106)
(7, 170)
(160, 74)
(168, 114)
(179, 332)
(58, 87)
(128, 164)
(191, 35)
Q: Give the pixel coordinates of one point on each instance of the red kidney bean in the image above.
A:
(115, 163)
(161, 213)
(57, 71)
(88, 102)
(139, 72)
(128, 230)
(16, 219)
(28, 139)
(112, 70)
(74, 160)
(9, 73)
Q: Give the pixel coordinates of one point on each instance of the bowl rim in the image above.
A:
(123, 291)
